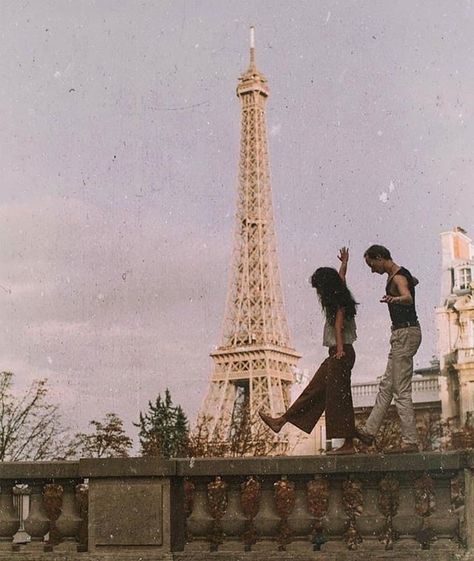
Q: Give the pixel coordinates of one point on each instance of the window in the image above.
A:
(464, 278)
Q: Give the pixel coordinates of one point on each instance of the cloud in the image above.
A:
(100, 307)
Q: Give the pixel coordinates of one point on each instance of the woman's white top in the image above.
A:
(349, 334)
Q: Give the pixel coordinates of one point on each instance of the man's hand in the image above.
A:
(390, 299)
(402, 287)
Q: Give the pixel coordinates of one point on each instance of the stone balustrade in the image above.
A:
(328, 503)
(425, 388)
(417, 506)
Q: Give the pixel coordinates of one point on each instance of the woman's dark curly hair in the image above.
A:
(333, 293)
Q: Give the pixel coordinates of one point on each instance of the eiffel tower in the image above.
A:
(253, 367)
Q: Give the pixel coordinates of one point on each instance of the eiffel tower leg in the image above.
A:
(217, 408)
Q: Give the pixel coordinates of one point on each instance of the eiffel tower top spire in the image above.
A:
(252, 79)
(252, 46)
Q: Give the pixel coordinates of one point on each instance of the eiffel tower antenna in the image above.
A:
(255, 361)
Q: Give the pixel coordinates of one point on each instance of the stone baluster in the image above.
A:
(233, 522)
(82, 501)
(458, 503)
(424, 506)
(352, 501)
(318, 504)
(199, 522)
(52, 500)
(37, 524)
(189, 496)
(444, 521)
(21, 498)
(267, 520)
(250, 497)
(9, 517)
(285, 497)
(388, 503)
(69, 522)
(217, 501)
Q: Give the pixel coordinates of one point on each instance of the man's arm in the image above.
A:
(403, 290)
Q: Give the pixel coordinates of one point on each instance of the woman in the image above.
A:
(330, 388)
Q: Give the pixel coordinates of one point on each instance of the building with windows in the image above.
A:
(455, 324)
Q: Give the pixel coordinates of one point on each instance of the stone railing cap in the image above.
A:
(126, 467)
(39, 470)
(358, 463)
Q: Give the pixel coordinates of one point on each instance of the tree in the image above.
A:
(247, 436)
(431, 430)
(164, 429)
(30, 426)
(108, 440)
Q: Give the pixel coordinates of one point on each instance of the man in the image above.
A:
(404, 342)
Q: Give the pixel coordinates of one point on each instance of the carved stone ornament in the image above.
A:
(318, 504)
(250, 496)
(352, 501)
(388, 502)
(285, 497)
(217, 501)
(424, 506)
(424, 496)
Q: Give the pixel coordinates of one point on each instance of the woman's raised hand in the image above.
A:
(343, 255)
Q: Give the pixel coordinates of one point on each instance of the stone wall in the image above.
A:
(417, 506)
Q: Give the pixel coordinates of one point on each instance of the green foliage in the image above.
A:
(163, 429)
(108, 440)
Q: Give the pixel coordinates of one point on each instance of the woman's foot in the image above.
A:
(275, 423)
(346, 448)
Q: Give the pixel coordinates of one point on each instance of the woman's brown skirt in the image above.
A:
(330, 391)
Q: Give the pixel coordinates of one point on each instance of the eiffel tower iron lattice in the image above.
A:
(253, 366)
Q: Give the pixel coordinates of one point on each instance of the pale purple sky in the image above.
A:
(119, 152)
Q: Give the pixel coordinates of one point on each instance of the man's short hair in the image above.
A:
(377, 251)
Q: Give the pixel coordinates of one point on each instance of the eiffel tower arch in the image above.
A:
(253, 366)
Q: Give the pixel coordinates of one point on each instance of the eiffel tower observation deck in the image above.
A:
(253, 366)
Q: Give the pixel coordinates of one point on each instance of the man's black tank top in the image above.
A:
(402, 313)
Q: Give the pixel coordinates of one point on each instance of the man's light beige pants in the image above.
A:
(396, 384)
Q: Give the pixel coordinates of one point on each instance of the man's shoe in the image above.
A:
(364, 437)
(404, 448)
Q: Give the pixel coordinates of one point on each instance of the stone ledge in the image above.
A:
(127, 467)
(251, 556)
(408, 555)
(276, 465)
(39, 470)
(116, 556)
(357, 463)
